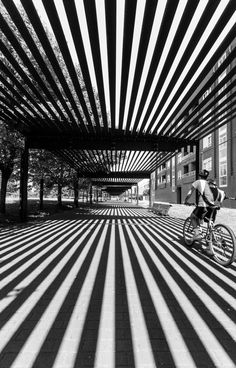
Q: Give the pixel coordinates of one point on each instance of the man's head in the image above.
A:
(203, 174)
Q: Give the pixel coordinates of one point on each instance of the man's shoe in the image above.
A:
(209, 251)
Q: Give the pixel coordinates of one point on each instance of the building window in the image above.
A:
(207, 164)
(186, 169)
(179, 174)
(193, 166)
(185, 150)
(223, 156)
(207, 141)
(223, 174)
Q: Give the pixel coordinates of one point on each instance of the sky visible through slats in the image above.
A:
(144, 76)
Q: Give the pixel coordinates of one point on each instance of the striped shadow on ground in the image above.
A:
(113, 287)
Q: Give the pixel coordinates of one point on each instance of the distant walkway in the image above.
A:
(113, 286)
(225, 215)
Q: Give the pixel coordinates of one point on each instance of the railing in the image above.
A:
(190, 173)
(185, 157)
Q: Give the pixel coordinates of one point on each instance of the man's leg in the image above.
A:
(197, 234)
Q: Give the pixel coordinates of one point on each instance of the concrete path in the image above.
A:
(225, 215)
(113, 286)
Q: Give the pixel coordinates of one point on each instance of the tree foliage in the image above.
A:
(43, 165)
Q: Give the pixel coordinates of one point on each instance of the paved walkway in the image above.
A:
(113, 286)
(225, 215)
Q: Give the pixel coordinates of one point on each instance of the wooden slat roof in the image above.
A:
(130, 94)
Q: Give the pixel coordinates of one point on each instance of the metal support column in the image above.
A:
(76, 192)
(137, 193)
(197, 159)
(197, 163)
(150, 191)
(24, 182)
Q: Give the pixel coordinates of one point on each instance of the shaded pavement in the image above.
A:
(113, 286)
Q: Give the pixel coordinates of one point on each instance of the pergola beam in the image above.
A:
(108, 142)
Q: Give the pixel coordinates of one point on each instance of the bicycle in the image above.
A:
(222, 238)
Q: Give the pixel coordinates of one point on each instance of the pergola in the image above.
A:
(115, 87)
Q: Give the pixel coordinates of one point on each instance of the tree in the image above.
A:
(39, 171)
(11, 143)
(58, 173)
(29, 95)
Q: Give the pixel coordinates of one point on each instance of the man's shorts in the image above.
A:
(200, 212)
(204, 213)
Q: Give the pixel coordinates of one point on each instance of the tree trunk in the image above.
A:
(59, 201)
(91, 193)
(76, 193)
(24, 182)
(83, 195)
(41, 194)
(3, 193)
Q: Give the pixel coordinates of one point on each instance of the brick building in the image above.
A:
(217, 153)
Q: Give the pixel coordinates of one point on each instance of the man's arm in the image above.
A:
(189, 194)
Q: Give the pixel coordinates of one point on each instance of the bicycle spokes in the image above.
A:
(188, 232)
(223, 245)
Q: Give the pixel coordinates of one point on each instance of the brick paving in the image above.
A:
(113, 286)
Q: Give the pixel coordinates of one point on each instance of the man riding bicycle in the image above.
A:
(205, 202)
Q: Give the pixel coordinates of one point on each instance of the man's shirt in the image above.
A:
(202, 186)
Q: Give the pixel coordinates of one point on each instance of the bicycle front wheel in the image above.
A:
(188, 232)
(224, 245)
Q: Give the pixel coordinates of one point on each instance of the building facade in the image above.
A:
(217, 154)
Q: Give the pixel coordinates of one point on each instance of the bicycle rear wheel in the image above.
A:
(188, 232)
(224, 245)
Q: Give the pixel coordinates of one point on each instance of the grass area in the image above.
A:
(11, 217)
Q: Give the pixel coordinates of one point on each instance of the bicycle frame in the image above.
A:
(210, 226)
(220, 236)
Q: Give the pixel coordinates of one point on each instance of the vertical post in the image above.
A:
(87, 195)
(137, 193)
(150, 191)
(41, 194)
(131, 194)
(215, 163)
(197, 163)
(24, 182)
(197, 158)
(76, 193)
